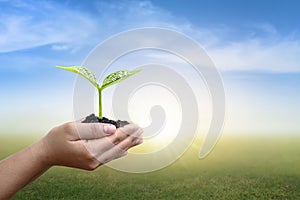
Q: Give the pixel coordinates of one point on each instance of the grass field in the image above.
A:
(238, 168)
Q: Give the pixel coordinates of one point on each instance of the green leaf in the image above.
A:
(83, 71)
(117, 77)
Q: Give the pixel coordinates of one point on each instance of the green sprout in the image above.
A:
(109, 80)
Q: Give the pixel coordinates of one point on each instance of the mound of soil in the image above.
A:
(92, 118)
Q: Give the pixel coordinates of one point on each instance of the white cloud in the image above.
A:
(256, 55)
(262, 49)
(66, 28)
(26, 26)
(60, 47)
(31, 24)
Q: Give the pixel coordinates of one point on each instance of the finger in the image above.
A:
(101, 145)
(131, 140)
(137, 142)
(105, 150)
(130, 129)
(126, 131)
(112, 154)
(89, 131)
(117, 137)
(97, 147)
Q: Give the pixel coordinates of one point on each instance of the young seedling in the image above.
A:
(109, 80)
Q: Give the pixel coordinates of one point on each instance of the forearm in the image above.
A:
(21, 168)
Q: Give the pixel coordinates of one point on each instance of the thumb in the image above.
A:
(89, 131)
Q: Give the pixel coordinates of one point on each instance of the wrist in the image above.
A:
(40, 154)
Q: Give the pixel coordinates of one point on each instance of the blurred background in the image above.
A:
(254, 44)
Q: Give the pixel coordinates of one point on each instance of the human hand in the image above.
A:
(74, 144)
(88, 145)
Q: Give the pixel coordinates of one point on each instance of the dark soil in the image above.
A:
(92, 118)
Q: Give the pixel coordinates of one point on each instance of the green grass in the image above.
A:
(238, 168)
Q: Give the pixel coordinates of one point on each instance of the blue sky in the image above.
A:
(283, 15)
(255, 45)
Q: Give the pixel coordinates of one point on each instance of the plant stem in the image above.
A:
(100, 102)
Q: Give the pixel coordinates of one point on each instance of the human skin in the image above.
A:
(74, 144)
